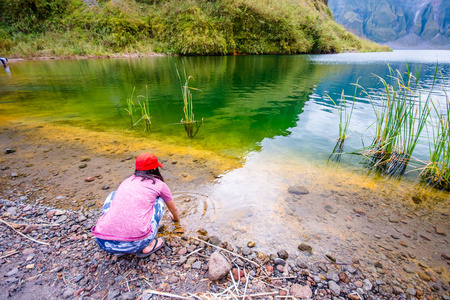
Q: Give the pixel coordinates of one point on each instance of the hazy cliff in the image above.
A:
(400, 23)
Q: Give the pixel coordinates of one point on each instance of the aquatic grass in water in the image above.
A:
(344, 122)
(131, 108)
(191, 126)
(145, 109)
(437, 171)
(399, 122)
(144, 106)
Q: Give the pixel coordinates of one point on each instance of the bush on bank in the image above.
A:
(31, 28)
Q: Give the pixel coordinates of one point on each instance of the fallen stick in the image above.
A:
(9, 254)
(199, 249)
(262, 294)
(164, 294)
(24, 235)
(232, 253)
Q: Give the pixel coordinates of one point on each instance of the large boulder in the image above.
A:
(218, 266)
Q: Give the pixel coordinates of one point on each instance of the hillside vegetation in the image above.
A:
(64, 28)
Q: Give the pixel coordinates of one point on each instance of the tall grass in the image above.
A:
(191, 126)
(144, 106)
(131, 108)
(145, 109)
(399, 122)
(437, 171)
(345, 116)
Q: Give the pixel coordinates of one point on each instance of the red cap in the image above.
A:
(147, 161)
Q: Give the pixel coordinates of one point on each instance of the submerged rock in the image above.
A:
(305, 248)
(298, 190)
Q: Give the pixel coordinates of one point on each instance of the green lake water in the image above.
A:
(272, 112)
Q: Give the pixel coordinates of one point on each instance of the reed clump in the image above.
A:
(191, 126)
(437, 171)
(143, 102)
(400, 121)
(404, 117)
(345, 116)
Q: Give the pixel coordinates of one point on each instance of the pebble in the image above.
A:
(440, 231)
(251, 244)
(331, 209)
(334, 287)
(283, 254)
(367, 285)
(343, 277)
(305, 248)
(68, 293)
(82, 166)
(300, 291)
(298, 190)
(89, 179)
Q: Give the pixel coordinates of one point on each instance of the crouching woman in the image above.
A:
(132, 213)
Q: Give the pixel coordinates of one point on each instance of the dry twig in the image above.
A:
(28, 237)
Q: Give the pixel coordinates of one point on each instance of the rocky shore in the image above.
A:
(51, 191)
(50, 254)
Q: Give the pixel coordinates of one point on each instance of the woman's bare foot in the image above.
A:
(152, 245)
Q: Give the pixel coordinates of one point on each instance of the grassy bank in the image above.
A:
(66, 28)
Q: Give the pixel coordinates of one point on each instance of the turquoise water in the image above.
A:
(248, 102)
(272, 112)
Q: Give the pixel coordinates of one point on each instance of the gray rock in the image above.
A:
(385, 290)
(367, 285)
(68, 293)
(128, 296)
(283, 254)
(334, 287)
(214, 240)
(331, 209)
(78, 278)
(302, 265)
(12, 210)
(411, 291)
(279, 261)
(197, 265)
(113, 294)
(317, 279)
(190, 261)
(12, 272)
(298, 190)
(332, 277)
(351, 269)
(218, 266)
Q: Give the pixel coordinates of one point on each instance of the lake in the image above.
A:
(275, 115)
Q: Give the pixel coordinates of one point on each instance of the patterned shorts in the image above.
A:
(134, 246)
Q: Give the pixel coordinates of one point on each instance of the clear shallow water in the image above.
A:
(273, 112)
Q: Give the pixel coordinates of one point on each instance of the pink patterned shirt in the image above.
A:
(128, 218)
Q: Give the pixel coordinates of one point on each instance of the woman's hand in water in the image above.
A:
(173, 211)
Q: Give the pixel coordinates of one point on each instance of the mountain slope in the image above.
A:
(400, 23)
(186, 27)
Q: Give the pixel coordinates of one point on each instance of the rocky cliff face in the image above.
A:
(399, 23)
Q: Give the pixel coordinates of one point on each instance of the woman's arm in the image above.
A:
(173, 210)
